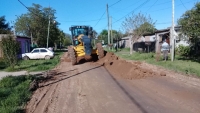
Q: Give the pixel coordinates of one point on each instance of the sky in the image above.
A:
(93, 12)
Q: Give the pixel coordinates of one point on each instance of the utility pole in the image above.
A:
(13, 27)
(108, 26)
(111, 32)
(172, 33)
(48, 33)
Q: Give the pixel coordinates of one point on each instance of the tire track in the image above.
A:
(50, 100)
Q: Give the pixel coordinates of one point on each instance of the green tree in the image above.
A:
(190, 26)
(104, 36)
(4, 27)
(35, 23)
(10, 48)
(137, 25)
(67, 40)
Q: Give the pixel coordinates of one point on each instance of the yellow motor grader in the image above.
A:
(81, 48)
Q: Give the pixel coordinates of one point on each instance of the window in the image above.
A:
(36, 51)
(26, 46)
(43, 50)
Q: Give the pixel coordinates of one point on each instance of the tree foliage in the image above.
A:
(104, 35)
(10, 48)
(35, 22)
(67, 40)
(137, 25)
(4, 27)
(190, 23)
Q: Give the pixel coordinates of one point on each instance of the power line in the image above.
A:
(28, 8)
(83, 20)
(100, 18)
(105, 12)
(183, 4)
(152, 5)
(132, 11)
(145, 6)
(170, 7)
(115, 3)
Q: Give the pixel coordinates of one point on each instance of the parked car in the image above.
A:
(38, 53)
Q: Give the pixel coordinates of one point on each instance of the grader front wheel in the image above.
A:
(100, 50)
(72, 55)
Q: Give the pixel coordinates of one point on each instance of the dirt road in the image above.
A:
(92, 88)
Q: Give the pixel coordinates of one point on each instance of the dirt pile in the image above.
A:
(65, 58)
(125, 69)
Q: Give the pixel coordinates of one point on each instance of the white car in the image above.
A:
(38, 53)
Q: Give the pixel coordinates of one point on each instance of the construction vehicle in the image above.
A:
(81, 48)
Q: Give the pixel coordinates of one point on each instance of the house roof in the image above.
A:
(24, 37)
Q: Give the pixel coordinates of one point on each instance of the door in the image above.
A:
(35, 54)
(43, 53)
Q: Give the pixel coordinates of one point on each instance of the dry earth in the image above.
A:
(112, 85)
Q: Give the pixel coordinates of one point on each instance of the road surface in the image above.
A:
(90, 88)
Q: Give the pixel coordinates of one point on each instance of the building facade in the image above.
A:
(25, 44)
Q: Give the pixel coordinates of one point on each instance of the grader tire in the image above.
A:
(72, 56)
(100, 50)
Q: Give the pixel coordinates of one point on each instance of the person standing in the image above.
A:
(165, 50)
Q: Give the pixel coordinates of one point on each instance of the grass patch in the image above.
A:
(14, 93)
(179, 65)
(36, 65)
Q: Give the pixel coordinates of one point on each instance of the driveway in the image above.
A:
(18, 73)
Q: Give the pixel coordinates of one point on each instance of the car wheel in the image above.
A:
(47, 57)
(26, 58)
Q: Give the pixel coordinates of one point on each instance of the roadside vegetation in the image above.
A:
(181, 64)
(33, 65)
(14, 93)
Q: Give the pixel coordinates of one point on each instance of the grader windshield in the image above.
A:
(77, 30)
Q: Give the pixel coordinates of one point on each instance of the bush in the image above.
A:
(10, 48)
(183, 50)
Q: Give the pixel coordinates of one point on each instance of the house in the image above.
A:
(25, 44)
(141, 43)
(164, 34)
(152, 42)
(149, 40)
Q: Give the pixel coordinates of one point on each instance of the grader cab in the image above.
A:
(81, 48)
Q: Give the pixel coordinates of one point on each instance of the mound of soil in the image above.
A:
(125, 69)
(65, 57)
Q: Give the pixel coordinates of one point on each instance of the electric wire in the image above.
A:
(115, 3)
(152, 5)
(132, 10)
(28, 8)
(100, 18)
(105, 12)
(183, 4)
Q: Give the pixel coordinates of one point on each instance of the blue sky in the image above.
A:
(89, 12)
